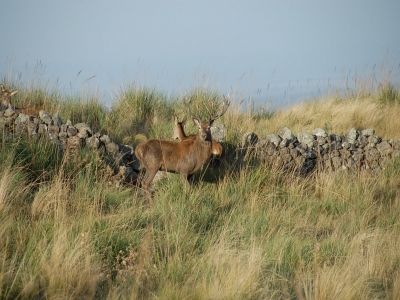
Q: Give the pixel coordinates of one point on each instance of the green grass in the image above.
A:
(245, 230)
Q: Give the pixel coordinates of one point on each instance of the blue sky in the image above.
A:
(274, 51)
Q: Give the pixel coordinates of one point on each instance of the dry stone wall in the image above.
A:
(355, 150)
(70, 138)
(304, 153)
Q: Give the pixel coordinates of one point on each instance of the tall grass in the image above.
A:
(245, 230)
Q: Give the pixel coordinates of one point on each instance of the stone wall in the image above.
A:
(70, 138)
(354, 151)
(306, 152)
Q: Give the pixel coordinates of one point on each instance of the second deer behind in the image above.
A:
(185, 158)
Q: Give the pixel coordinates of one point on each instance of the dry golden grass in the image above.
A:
(245, 231)
(338, 116)
(331, 113)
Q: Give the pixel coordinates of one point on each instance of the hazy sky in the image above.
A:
(261, 48)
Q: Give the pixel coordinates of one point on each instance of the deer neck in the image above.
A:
(181, 134)
(203, 146)
(5, 101)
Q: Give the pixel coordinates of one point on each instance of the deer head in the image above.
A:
(178, 131)
(6, 95)
(206, 125)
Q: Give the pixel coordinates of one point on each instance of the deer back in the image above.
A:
(186, 156)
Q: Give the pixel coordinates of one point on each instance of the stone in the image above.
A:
(81, 127)
(249, 139)
(105, 139)
(9, 112)
(319, 132)
(336, 145)
(42, 129)
(45, 117)
(270, 148)
(372, 155)
(218, 132)
(306, 138)
(22, 119)
(336, 138)
(367, 132)
(310, 154)
(274, 139)
(286, 133)
(321, 140)
(71, 131)
(56, 120)
(92, 142)
(112, 148)
(284, 143)
(351, 135)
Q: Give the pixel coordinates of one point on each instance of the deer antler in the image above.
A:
(227, 102)
(188, 108)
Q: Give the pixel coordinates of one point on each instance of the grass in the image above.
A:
(245, 231)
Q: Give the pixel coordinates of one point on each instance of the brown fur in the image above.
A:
(6, 95)
(185, 158)
(179, 134)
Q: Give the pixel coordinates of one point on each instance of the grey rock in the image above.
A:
(367, 132)
(112, 147)
(9, 112)
(218, 132)
(319, 132)
(22, 119)
(92, 142)
(83, 127)
(273, 138)
(351, 135)
(306, 138)
(249, 139)
(286, 133)
(45, 117)
(71, 131)
(105, 139)
(56, 120)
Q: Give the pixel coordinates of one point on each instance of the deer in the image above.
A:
(184, 158)
(6, 95)
(179, 134)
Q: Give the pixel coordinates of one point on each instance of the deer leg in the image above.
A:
(185, 182)
(146, 181)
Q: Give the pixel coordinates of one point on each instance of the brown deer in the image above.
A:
(185, 158)
(179, 134)
(5, 96)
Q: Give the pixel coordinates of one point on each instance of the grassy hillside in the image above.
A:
(245, 231)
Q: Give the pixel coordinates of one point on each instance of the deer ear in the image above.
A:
(211, 122)
(197, 122)
(184, 121)
(14, 92)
